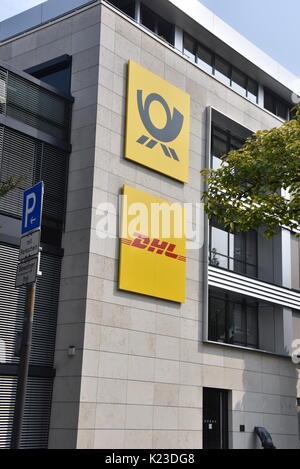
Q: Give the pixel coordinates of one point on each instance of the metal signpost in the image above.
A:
(27, 272)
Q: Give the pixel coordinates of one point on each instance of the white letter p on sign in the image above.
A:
(29, 208)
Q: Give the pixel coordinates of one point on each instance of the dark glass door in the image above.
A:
(215, 418)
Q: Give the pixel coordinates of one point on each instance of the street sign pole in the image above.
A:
(23, 368)
(27, 271)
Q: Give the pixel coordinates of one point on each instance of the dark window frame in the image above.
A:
(277, 100)
(243, 263)
(228, 299)
(157, 19)
(231, 67)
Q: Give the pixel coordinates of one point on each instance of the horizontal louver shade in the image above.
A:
(21, 155)
(37, 107)
(17, 159)
(3, 88)
(233, 282)
(12, 307)
(37, 412)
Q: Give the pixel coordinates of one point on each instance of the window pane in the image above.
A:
(189, 47)
(219, 142)
(222, 70)
(217, 260)
(270, 103)
(252, 93)
(219, 241)
(251, 270)
(217, 319)
(236, 143)
(282, 110)
(165, 30)
(240, 246)
(148, 18)
(127, 6)
(236, 331)
(60, 79)
(238, 81)
(204, 58)
(252, 323)
(251, 247)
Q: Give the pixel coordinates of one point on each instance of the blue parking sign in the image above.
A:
(32, 208)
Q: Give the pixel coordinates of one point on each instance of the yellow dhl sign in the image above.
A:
(153, 246)
(157, 123)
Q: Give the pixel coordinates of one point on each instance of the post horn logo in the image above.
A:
(162, 136)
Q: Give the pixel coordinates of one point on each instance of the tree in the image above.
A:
(259, 184)
(10, 184)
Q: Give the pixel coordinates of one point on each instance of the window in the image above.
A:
(157, 24)
(189, 47)
(216, 65)
(55, 72)
(222, 70)
(205, 58)
(233, 318)
(252, 90)
(222, 143)
(239, 81)
(275, 105)
(236, 252)
(126, 6)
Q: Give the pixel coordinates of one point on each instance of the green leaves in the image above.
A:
(10, 184)
(246, 191)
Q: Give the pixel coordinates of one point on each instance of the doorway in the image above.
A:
(215, 418)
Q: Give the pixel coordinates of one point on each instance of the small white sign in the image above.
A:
(27, 272)
(30, 245)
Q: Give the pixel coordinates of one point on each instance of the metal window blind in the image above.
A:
(12, 306)
(3, 88)
(37, 412)
(37, 107)
(21, 155)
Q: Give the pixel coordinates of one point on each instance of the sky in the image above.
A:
(272, 25)
(10, 8)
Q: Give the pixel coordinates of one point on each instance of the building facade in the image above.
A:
(145, 371)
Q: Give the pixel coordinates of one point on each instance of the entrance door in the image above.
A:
(215, 418)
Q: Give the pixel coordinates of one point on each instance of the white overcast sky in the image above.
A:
(10, 8)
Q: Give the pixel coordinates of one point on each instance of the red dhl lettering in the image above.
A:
(156, 246)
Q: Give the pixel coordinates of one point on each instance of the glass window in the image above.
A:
(148, 18)
(282, 110)
(189, 46)
(222, 70)
(270, 103)
(275, 105)
(236, 325)
(205, 58)
(165, 30)
(233, 251)
(217, 319)
(127, 6)
(239, 81)
(233, 318)
(252, 325)
(157, 24)
(252, 91)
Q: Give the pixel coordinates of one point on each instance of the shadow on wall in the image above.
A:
(269, 402)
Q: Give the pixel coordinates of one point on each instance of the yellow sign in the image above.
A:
(158, 123)
(153, 246)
